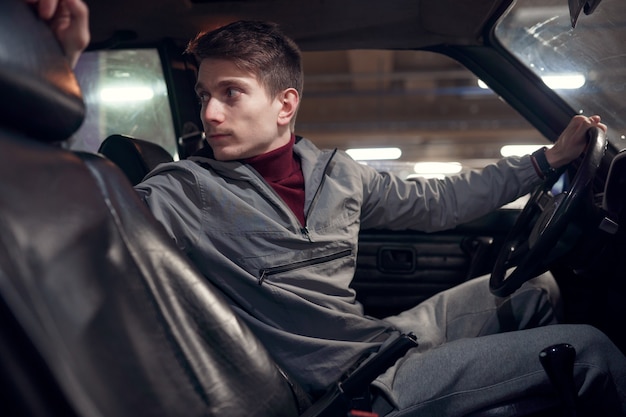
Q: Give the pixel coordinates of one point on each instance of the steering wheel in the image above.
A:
(542, 223)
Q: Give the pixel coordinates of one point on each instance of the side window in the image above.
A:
(413, 113)
(426, 105)
(125, 93)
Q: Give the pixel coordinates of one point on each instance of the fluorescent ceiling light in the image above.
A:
(437, 168)
(482, 84)
(520, 150)
(373, 154)
(125, 94)
(565, 81)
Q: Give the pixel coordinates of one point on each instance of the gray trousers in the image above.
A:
(477, 350)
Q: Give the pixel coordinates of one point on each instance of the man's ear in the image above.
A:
(290, 99)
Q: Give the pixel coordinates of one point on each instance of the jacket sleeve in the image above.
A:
(171, 193)
(437, 204)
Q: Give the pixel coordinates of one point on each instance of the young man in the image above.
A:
(273, 222)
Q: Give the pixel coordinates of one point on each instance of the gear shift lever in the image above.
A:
(558, 362)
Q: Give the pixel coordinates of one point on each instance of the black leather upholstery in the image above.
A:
(135, 157)
(31, 67)
(100, 315)
(122, 322)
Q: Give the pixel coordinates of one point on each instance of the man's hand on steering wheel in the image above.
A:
(545, 217)
(572, 142)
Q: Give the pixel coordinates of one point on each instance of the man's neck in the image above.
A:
(281, 169)
(276, 164)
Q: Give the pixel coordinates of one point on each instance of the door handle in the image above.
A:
(397, 259)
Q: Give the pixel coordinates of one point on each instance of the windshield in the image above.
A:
(585, 65)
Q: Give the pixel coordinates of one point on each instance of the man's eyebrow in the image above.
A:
(235, 81)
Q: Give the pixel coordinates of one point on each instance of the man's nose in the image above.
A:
(213, 111)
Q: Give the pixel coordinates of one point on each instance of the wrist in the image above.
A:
(552, 158)
(542, 164)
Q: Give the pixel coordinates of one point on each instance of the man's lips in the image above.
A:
(218, 136)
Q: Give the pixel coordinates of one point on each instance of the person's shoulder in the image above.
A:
(174, 168)
(340, 158)
(172, 172)
(305, 146)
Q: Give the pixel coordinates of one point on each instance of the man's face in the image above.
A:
(240, 120)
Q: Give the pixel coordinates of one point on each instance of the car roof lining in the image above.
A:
(314, 24)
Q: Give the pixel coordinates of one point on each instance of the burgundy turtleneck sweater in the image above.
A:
(281, 169)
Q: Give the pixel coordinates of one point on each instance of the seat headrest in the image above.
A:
(40, 96)
(135, 157)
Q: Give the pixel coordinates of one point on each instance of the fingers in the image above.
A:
(573, 140)
(62, 18)
(78, 30)
(45, 8)
(70, 13)
(585, 122)
(577, 127)
(597, 121)
(69, 21)
(70, 24)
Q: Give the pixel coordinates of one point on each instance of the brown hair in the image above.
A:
(258, 47)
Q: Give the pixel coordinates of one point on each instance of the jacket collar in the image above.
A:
(312, 159)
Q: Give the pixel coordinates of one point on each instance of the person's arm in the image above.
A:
(69, 21)
(431, 205)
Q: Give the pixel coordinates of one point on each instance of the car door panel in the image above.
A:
(397, 270)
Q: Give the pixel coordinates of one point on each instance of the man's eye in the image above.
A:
(232, 92)
(203, 97)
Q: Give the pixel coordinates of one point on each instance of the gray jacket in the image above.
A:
(291, 284)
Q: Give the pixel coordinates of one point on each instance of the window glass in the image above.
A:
(584, 65)
(125, 93)
(433, 112)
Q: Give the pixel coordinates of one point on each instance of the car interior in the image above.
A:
(102, 315)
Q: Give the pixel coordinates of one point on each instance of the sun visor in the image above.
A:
(39, 93)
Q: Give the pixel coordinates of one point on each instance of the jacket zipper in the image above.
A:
(319, 188)
(265, 272)
(303, 230)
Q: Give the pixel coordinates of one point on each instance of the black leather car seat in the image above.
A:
(135, 157)
(100, 315)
